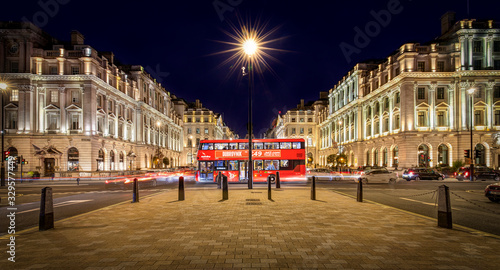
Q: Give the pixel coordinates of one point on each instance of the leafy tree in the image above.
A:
(331, 159)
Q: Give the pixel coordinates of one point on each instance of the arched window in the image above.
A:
(376, 158)
(112, 160)
(100, 160)
(480, 155)
(443, 155)
(395, 157)
(368, 158)
(423, 156)
(73, 159)
(122, 160)
(385, 157)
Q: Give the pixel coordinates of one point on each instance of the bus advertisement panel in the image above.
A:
(230, 157)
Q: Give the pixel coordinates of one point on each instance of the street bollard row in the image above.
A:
(359, 198)
(313, 188)
(269, 195)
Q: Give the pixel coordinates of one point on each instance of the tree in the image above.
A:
(331, 159)
(341, 159)
(166, 161)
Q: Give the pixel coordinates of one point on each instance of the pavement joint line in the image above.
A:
(463, 228)
(7, 236)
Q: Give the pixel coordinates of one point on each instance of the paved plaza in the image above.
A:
(248, 231)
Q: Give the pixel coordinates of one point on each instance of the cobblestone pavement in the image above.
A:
(250, 232)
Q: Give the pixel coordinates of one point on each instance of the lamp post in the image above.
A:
(471, 92)
(250, 48)
(3, 87)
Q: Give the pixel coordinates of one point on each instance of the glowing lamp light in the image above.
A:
(250, 47)
(3, 86)
(471, 91)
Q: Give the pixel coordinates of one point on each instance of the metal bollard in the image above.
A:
(219, 179)
(46, 220)
(269, 195)
(135, 195)
(77, 181)
(360, 191)
(313, 188)
(181, 188)
(278, 181)
(444, 207)
(225, 192)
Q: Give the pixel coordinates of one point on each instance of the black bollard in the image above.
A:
(278, 182)
(313, 188)
(46, 220)
(181, 188)
(77, 181)
(360, 191)
(225, 192)
(269, 195)
(219, 179)
(444, 207)
(135, 196)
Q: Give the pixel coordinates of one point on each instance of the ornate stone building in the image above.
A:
(413, 108)
(71, 108)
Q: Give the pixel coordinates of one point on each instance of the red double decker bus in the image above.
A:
(269, 156)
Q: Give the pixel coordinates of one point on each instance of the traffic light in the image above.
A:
(23, 161)
(6, 155)
(466, 153)
(477, 153)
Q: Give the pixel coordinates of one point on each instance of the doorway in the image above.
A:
(243, 171)
(49, 166)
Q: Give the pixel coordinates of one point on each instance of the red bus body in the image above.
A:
(269, 156)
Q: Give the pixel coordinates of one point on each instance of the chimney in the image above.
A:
(447, 21)
(77, 38)
(302, 104)
(198, 104)
(110, 56)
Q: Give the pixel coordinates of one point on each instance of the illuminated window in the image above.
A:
(420, 66)
(421, 93)
(75, 96)
(441, 119)
(75, 70)
(478, 46)
(440, 93)
(398, 98)
(479, 118)
(422, 119)
(14, 95)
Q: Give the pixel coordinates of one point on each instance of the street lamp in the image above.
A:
(250, 47)
(471, 92)
(3, 87)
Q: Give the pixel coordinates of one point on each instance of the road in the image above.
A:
(470, 208)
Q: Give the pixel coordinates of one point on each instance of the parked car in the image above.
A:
(422, 174)
(492, 192)
(323, 174)
(378, 176)
(480, 173)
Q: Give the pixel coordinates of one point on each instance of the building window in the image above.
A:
(197, 130)
(443, 155)
(478, 64)
(477, 46)
(398, 98)
(440, 66)
(99, 101)
(99, 124)
(497, 117)
(440, 93)
(496, 46)
(301, 130)
(496, 92)
(189, 119)
(73, 159)
(53, 120)
(205, 119)
(111, 127)
(53, 70)
(11, 119)
(421, 119)
(386, 124)
(386, 103)
(309, 119)
(420, 66)
(396, 121)
(75, 96)
(206, 130)
(479, 118)
(293, 119)
(368, 130)
(14, 67)
(421, 93)
(75, 122)
(302, 120)
(189, 131)
(75, 70)
(14, 95)
(395, 156)
(310, 131)
(478, 93)
(441, 119)
(496, 64)
(54, 96)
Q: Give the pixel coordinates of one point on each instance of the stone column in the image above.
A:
(62, 101)
(451, 101)
(470, 54)
(489, 107)
(415, 112)
(488, 52)
(432, 104)
(463, 52)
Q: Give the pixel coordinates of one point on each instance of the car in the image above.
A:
(480, 173)
(378, 176)
(492, 192)
(323, 174)
(422, 174)
(363, 169)
(128, 182)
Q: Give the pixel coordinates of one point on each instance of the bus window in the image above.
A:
(271, 164)
(296, 145)
(268, 145)
(243, 146)
(258, 146)
(286, 145)
(233, 165)
(233, 146)
(221, 146)
(257, 165)
(220, 165)
(207, 146)
(285, 165)
(276, 145)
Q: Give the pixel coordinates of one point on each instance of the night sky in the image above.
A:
(175, 41)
